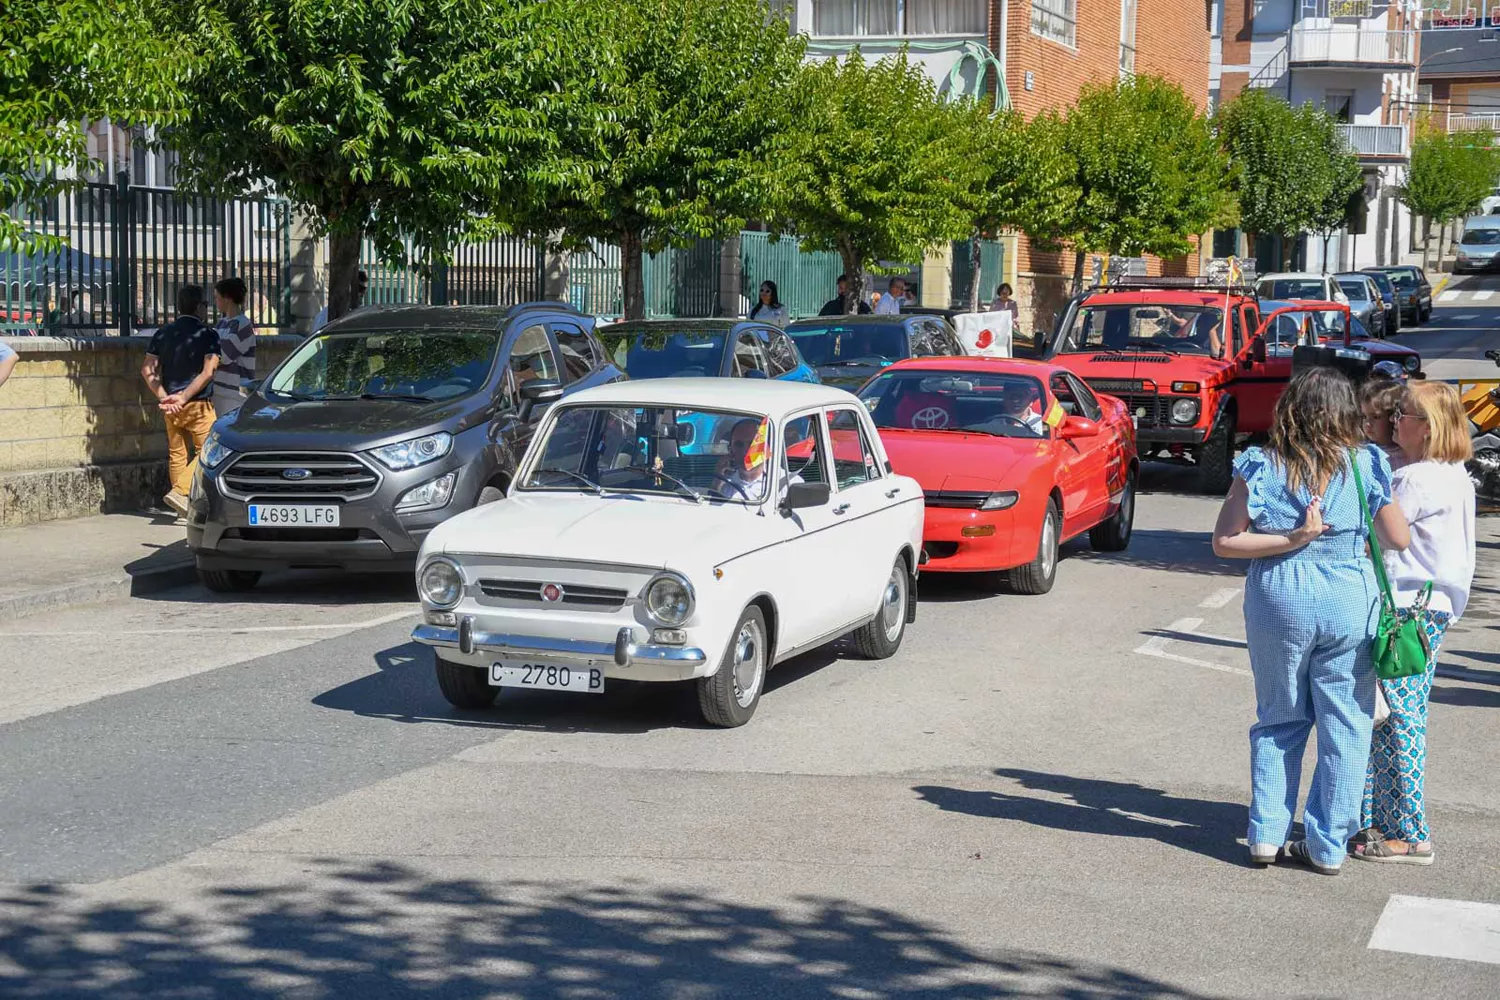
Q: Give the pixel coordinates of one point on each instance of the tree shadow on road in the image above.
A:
(1109, 808)
(383, 930)
(1170, 550)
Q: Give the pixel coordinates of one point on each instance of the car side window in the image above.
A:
(779, 351)
(923, 342)
(952, 346)
(749, 356)
(577, 352)
(1087, 401)
(531, 356)
(854, 460)
(805, 462)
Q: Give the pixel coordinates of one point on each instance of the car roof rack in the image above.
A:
(1221, 274)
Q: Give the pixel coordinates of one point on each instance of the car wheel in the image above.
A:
(881, 637)
(1037, 576)
(465, 686)
(489, 495)
(1424, 315)
(729, 696)
(1114, 535)
(1216, 459)
(229, 581)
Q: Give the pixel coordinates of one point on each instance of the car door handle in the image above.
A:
(841, 508)
(892, 492)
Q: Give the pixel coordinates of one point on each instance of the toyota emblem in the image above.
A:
(551, 593)
(296, 475)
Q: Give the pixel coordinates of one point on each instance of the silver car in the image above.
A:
(1364, 301)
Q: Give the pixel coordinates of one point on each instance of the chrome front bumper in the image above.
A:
(623, 652)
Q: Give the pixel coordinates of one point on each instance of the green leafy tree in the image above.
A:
(382, 118)
(882, 170)
(682, 110)
(1340, 205)
(1149, 172)
(65, 62)
(1450, 174)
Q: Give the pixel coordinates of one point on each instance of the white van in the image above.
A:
(1479, 246)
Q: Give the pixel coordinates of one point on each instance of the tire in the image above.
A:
(1114, 535)
(1037, 576)
(1216, 459)
(1424, 315)
(229, 581)
(489, 495)
(729, 696)
(465, 686)
(879, 638)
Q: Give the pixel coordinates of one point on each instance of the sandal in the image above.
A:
(1297, 851)
(1369, 835)
(1381, 853)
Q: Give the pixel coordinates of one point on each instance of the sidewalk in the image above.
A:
(80, 560)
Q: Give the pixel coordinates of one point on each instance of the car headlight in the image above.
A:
(213, 453)
(669, 600)
(1184, 411)
(417, 451)
(440, 583)
(1003, 500)
(1412, 362)
(436, 493)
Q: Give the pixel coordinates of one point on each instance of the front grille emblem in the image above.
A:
(296, 475)
(552, 593)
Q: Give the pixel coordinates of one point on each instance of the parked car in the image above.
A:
(1364, 300)
(1328, 325)
(634, 546)
(689, 348)
(1388, 300)
(1479, 246)
(1413, 290)
(1015, 457)
(1299, 285)
(847, 350)
(377, 429)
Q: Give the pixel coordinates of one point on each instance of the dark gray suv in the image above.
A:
(378, 428)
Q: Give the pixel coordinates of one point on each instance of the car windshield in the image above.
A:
(1356, 290)
(1382, 282)
(705, 455)
(995, 403)
(1481, 237)
(1404, 280)
(1294, 288)
(1326, 324)
(851, 343)
(647, 353)
(389, 364)
(1180, 329)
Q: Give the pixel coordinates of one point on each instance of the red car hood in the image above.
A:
(1155, 366)
(952, 460)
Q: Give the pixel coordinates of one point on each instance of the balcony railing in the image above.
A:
(1374, 140)
(1348, 45)
(1468, 121)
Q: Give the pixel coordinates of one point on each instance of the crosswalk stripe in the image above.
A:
(1486, 294)
(1448, 296)
(1440, 928)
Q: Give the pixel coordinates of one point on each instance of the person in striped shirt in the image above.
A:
(236, 346)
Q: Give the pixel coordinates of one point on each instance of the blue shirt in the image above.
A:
(6, 351)
(182, 346)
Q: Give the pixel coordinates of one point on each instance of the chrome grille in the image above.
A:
(1115, 386)
(962, 499)
(1153, 359)
(574, 594)
(330, 475)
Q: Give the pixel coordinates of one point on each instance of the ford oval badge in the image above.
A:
(296, 475)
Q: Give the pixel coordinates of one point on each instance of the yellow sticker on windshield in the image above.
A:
(755, 456)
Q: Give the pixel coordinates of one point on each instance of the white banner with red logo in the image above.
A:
(987, 334)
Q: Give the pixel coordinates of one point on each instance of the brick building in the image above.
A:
(1459, 75)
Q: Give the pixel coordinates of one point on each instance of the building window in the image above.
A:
(1057, 20)
(896, 18)
(1127, 38)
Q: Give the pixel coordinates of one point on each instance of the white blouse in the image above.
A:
(1438, 499)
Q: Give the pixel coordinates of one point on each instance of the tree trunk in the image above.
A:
(343, 273)
(1326, 238)
(1426, 242)
(1077, 272)
(633, 275)
(1442, 243)
(854, 267)
(975, 255)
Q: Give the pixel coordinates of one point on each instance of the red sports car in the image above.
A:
(1015, 457)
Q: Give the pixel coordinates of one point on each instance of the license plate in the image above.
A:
(547, 676)
(294, 515)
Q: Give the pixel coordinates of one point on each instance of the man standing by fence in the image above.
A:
(179, 371)
(236, 346)
(890, 302)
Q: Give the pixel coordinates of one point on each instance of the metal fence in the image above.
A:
(804, 281)
(131, 247)
(498, 272)
(991, 271)
(677, 282)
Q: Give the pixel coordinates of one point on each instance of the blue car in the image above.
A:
(698, 348)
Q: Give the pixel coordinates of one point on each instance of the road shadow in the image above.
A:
(1108, 808)
(1468, 654)
(379, 929)
(1202, 640)
(1169, 550)
(1465, 697)
(305, 587)
(1171, 479)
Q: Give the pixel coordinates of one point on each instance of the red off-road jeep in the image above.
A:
(1197, 385)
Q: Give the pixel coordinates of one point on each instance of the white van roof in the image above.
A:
(1482, 222)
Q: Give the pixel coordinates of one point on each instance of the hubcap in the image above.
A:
(749, 664)
(1049, 545)
(893, 607)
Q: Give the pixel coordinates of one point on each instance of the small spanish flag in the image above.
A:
(1055, 416)
(755, 455)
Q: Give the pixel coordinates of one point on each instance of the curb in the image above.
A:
(100, 588)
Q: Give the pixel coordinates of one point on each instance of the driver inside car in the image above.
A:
(1020, 403)
(1201, 328)
(742, 476)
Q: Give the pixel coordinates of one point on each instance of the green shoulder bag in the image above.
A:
(1400, 648)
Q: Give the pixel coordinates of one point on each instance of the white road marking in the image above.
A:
(1485, 294)
(1219, 598)
(1157, 646)
(1448, 296)
(246, 630)
(1462, 317)
(1440, 928)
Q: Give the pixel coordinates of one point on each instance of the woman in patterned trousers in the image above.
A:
(1437, 497)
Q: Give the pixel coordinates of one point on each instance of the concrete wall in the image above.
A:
(79, 431)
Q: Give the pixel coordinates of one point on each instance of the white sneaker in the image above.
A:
(177, 502)
(1264, 854)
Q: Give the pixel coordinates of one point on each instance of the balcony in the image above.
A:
(1351, 47)
(1467, 121)
(1375, 142)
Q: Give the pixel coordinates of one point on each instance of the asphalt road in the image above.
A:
(1462, 327)
(267, 797)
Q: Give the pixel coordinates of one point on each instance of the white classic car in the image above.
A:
(676, 529)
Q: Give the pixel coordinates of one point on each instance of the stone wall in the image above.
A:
(79, 431)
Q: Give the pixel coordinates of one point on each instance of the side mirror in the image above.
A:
(539, 392)
(1258, 349)
(800, 495)
(252, 385)
(1078, 427)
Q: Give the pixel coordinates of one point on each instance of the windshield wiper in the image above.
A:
(575, 476)
(662, 474)
(299, 397)
(403, 396)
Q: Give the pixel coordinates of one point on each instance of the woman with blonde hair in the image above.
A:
(1437, 497)
(1295, 512)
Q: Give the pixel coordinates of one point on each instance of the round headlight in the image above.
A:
(440, 584)
(1412, 363)
(669, 600)
(1184, 411)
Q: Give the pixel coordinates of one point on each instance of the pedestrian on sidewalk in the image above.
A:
(179, 371)
(890, 303)
(236, 346)
(1310, 612)
(8, 359)
(769, 309)
(836, 305)
(1435, 492)
(1378, 399)
(1003, 302)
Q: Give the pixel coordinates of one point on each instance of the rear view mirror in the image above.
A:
(1258, 349)
(802, 495)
